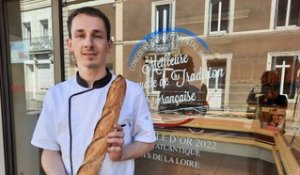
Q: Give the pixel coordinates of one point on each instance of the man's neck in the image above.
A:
(90, 76)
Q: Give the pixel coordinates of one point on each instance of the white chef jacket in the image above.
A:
(52, 129)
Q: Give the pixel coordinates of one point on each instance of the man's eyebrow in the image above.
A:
(79, 30)
(94, 31)
(98, 31)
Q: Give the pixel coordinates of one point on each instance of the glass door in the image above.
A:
(216, 83)
(30, 73)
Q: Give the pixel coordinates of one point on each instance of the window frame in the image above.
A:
(208, 20)
(270, 57)
(287, 16)
(172, 4)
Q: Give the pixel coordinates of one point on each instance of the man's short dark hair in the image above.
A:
(92, 12)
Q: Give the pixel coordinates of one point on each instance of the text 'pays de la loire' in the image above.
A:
(173, 160)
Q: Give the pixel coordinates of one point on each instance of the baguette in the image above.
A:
(96, 151)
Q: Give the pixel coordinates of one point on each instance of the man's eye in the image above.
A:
(98, 36)
(79, 36)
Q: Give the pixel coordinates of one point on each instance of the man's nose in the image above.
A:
(88, 42)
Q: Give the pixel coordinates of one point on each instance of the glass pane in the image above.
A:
(232, 99)
(163, 17)
(225, 15)
(281, 12)
(31, 64)
(286, 67)
(214, 15)
(225, 91)
(295, 13)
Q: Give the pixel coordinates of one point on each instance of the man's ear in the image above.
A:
(110, 45)
(69, 44)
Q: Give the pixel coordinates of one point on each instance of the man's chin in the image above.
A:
(93, 66)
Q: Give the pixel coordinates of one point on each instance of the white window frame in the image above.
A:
(278, 54)
(208, 16)
(275, 4)
(172, 4)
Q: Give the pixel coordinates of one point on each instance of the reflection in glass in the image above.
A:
(219, 15)
(31, 58)
(288, 13)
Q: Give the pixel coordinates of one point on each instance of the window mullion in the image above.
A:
(157, 21)
(219, 16)
(288, 11)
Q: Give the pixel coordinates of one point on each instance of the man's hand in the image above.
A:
(115, 141)
(118, 151)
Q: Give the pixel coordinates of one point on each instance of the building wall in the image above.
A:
(252, 15)
(190, 15)
(137, 19)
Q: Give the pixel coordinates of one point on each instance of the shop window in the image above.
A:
(219, 16)
(287, 67)
(288, 13)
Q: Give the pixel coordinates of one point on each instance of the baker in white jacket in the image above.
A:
(72, 108)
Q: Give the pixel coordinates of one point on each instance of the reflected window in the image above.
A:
(287, 67)
(219, 15)
(163, 17)
(288, 13)
(27, 31)
(44, 28)
(162, 22)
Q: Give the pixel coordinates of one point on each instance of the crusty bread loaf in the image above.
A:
(95, 152)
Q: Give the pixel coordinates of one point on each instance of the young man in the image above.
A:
(71, 109)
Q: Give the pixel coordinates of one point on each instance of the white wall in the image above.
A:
(2, 165)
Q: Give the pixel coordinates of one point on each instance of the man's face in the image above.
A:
(277, 118)
(89, 42)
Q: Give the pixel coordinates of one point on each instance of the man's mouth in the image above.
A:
(89, 53)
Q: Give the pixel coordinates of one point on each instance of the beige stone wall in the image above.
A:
(251, 15)
(136, 19)
(190, 15)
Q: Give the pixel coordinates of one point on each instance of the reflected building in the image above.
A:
(36, 20)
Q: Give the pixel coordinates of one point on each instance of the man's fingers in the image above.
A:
(117, 134)
(114, 149)
(113, 141)
(118, 127)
